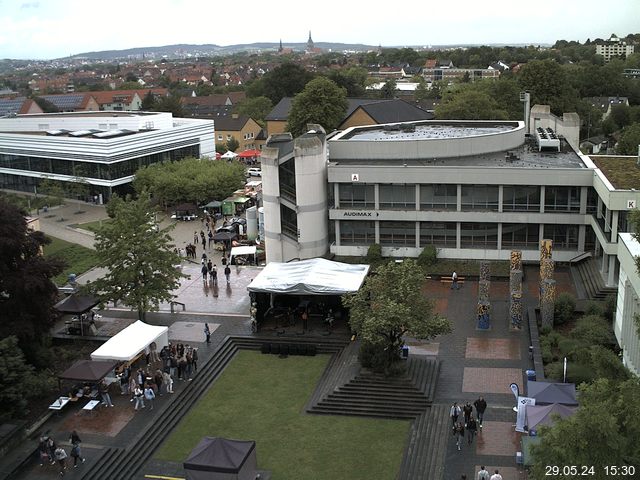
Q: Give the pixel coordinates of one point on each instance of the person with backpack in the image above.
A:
(472, 429)
(481, 406)
(467, 410)
(75, 449)
(483, 474)
(454, 413)
(458, 432)
(61, 457)
(138, 396)
(149, 395)
(227, 273)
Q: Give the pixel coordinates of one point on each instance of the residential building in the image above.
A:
(105, 148)
(73, 102)
(241, 127)
(614, 47)
(125, 100)
(605, 104)
(18, 105)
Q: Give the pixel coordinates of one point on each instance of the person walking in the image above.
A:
(458, 432)
(204, 271)
(210, 238)
(195, 237)
(467, 410)
(61, 457)
(75, 449)
(454, 281)
(481, 406)
(138, 395)
(43, 450)
(496, 476)
(483, 474)
(454, 413)
(472, 429)
(213, 276)
(227, 273)
(207, 333)
(149, 395)
(168, 381)
(103, 388)
(51, 449)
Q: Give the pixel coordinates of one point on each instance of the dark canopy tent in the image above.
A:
(537, 415)
(76, 303)
(216, 458)
(224, 236)
(91, 371)
(213, 204)
(546, 393)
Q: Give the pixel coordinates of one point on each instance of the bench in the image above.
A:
(91, 405)
(450, 280)
(59, 403)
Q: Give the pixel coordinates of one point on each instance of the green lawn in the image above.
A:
(78, 258)
(93, 226)
(261, 397)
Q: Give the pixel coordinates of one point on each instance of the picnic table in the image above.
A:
(59, 403)
(91, 405)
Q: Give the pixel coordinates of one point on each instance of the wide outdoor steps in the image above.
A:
(425, 455)
(123, 463)
(373, 395)
(593, 281)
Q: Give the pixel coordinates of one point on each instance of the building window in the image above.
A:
(287, 174)
(479, 235)
(219, 137)
(439, 234)
(520, 198)
(353, 232)
(592, 201)
(356, 195)
(521, 235)
(289, 222)
(398, 197)
(228, 137)
(565, 237)
(438, 197)
(398, 234)
(480, 197)
(562, 199)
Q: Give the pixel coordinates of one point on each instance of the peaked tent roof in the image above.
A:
(126, 344)
(545, 392)
(315, 276)
(88, 370)
(543, 414)
(76, 303)
(216, 454)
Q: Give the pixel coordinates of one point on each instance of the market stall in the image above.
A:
(129, 343)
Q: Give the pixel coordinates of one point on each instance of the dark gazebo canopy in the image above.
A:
(224, 236)
(76, 303)
(186, 207)
(213, 204)
(88, 370)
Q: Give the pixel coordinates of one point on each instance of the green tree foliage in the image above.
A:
(140, 261)
(232, 144)
(148, 101)
(564, 308)
(257, 108)
(172, 104)
(352, 79)
(594, 330)
(428, 256)
(629, 140)
(548, 84)
(422, 91)
(18, 380)
(388, 90)
(52, 188)
(321, 102)
(27, 294)
(283, 81)
(469, 104)
(389, 305)
(46, 105)
(190, 180)
(602, 432)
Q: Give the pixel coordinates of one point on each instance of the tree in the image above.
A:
(148, 101)
(79, 185)
(469, 104)
(422, 91)
(629, 140)
(140, 261)
(284, 81)
(352, 79)
(233, 144)
(27, 294)
(600, 433)
(46, 105)
(172, 104)
(257, 108)
(390, 305)
(321, 102)
(549, 84)
(388, 90)
(52, 188)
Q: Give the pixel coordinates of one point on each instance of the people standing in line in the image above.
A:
(481, 406)
(458, 432)
(496, 476)
(467, 410)
(75, 449)
(61, 457)
(454, 281)
(138, 395)
(454, 413)
(149, 395)
(103, 388)
(207, 333)
(483, 474)
(472, 429)
(227, 273)
(168, 381)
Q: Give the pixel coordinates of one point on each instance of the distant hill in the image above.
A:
(182, 50)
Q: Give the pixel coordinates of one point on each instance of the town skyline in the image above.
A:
(39, 30)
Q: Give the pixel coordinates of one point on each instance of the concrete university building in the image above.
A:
(105, 148)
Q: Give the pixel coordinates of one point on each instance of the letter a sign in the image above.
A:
(355, 177)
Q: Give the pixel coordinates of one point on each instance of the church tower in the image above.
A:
(310, 45)
(280, 48)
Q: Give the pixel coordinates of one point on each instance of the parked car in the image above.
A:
(254, 172)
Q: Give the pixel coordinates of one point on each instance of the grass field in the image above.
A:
(93, 226)
(261, 397)
(78, 258)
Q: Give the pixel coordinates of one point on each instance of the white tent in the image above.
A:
(315, 276)
(131, 341)
(242, 250)
(229, 154)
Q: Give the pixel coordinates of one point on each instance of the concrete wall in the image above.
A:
(628, 305)
(567, 126)
(271, 203)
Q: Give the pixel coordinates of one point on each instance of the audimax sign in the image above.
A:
(359, 213)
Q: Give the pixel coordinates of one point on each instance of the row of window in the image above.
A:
(443, 234)
(473, 197)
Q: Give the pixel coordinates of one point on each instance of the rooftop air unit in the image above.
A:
(547, 139)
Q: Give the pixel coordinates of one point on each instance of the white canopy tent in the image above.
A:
(316, 276)
(131, 341)
(229, 154)
(242, 250)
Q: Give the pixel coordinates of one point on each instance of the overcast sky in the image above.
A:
(45, 29)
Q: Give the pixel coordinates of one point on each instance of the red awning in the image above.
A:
(249, 153)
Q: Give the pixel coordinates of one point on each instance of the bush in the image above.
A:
(376, 358)
(576, 372)
(610, 307)
(595, 308)
(594, 330)
(568, 346)
(548, 344)
(428, 256)
(374, 254)
(607, 364)
(564, 308)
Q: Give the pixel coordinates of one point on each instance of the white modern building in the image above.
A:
(628, 304)
(614, 47)
(104, 148)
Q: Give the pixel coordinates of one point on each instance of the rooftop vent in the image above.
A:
(547, 139)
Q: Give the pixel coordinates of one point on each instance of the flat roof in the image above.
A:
(434, 129)
(101, 113)
(622, 172)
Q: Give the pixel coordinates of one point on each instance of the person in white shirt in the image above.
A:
(496, 476)
(483, 474)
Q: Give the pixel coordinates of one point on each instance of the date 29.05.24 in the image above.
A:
(570, 471)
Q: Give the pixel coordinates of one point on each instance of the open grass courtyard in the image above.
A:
(79, 259)
(262, 397)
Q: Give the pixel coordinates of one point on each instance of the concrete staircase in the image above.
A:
(592, 280)
(425, 455)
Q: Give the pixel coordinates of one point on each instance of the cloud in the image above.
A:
(27, 5)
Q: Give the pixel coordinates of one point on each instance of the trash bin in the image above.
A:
(72, 278)
(531, 375)
(405, 352)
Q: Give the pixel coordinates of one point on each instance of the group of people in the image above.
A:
(470, 424)
(210, 270)
(483, 474)
(50, 452)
